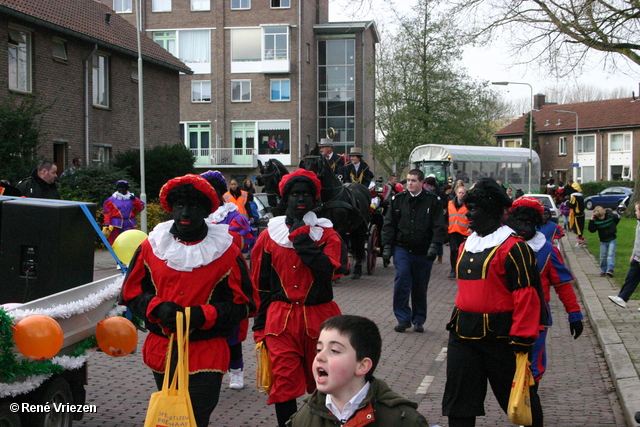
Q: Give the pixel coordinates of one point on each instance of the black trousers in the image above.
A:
(455, 240)
(470, 364)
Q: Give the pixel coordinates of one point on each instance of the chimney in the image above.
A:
(107, 18)
(538, 101)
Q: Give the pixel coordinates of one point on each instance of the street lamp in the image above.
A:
(530, 124)
(575, 141)
(143, 193)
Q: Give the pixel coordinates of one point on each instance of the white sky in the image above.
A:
(495, 63)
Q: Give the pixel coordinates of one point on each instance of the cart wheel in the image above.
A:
(8, 418)
(58, 392)
(372, 249)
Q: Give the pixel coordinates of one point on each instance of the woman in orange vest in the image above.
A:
(458, 226)
(238, 197)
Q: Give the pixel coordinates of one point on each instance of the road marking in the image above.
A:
(431, 372)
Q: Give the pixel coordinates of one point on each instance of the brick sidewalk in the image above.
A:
(577, 389)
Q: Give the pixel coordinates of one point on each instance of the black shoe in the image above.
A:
(418, 328)
(402, 326)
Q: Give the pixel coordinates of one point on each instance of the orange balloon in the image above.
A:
(116, 336)
(38, 337)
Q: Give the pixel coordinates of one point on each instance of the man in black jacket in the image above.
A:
(414, 226)
(42, 182)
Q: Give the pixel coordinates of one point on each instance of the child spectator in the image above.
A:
(565, 210)
(633, 275)
(348, 352)
(605, 223)
(552, 231)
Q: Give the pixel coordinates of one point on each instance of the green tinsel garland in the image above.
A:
(10, 368)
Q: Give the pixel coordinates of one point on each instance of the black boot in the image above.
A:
(357, 271)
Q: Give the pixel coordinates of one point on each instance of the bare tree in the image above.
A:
(560, 32)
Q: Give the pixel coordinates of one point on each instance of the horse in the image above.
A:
(347, 206)
(270, 175)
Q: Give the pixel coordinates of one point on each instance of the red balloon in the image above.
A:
(38, 337)
(116, 336)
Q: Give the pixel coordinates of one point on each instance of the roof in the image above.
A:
(606, 114)
(347, 28)
(85, 19)
(471, 153)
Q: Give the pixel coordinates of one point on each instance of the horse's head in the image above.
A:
(317, 164)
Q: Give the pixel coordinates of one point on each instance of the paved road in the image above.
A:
(577, 389)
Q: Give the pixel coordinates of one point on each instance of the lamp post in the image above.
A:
(575, 141)
(143, 194)
(530, 124)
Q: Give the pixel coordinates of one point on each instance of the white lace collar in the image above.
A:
(279, 231)
(537, 242)
(120, 196)
(183, 257)
(221, 213)
(476, 244)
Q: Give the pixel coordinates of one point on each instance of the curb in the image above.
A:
(622, 370)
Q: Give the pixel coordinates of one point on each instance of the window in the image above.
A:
(585, 144)
(240, 4)
(102, 154)
(100, 64)
(199, 137)
(562, 146)
(193, 47)
(514, 143)
(586, 174)
(280, 4)
(276, 43)
(122, 6)
(241, 90)
(161, 5)
(246, 45)
(308, 52)
(166, 39)
(280, 90)
(19, 49)
(200, 5)
(336, 97)
(59, 48)
(620, 142)
(134, 71)
(201, 91)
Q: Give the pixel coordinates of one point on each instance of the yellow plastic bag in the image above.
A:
(171, 406)
(264, 374)
(519, 408)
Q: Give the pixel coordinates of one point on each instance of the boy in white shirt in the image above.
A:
(348, 352)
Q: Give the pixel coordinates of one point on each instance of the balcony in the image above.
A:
(220, 158)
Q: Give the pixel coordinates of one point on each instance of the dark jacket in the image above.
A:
(389, 410)
(413, 223)
(34, 186)
(606, 227)
(364, 175)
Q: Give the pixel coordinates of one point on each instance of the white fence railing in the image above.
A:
(225, 157)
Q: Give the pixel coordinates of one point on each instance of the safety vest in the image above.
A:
(458, 222)
(240, 202)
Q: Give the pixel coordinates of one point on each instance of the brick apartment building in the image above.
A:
(81, 58)
(586, 141)
(263, 69)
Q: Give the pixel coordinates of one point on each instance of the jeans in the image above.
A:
(411, 280)
(631, 281)
(607, 256)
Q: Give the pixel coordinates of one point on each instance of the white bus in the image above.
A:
(470, 163)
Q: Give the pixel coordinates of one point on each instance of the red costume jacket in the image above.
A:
(221, 286)
(499, 292)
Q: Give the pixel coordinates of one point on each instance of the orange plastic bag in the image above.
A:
(171, 406)
(519, 408)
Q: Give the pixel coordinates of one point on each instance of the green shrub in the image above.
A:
(93, 184)
(162, 163)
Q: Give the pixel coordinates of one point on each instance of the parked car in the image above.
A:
(607, 198)
(624, 204)
(547, 200)
(264, 210)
